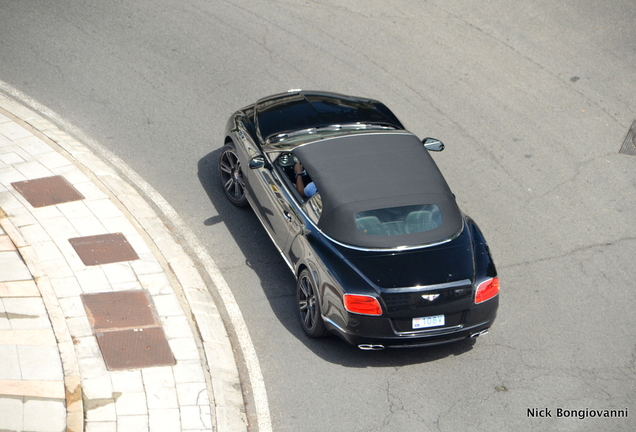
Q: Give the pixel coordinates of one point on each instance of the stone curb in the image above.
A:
(214, 345)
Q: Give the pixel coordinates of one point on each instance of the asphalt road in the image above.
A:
(533, 100)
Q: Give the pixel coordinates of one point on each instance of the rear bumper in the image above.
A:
(380, 333)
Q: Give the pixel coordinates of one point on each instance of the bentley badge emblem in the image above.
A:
(430, 297)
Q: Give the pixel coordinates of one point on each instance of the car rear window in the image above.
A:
(399, 220)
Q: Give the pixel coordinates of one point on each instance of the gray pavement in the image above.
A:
(65, 364)
(532, 98)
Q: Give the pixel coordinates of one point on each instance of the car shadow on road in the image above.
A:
(279, 285)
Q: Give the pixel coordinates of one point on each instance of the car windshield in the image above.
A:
(304, 112)
(399, 220)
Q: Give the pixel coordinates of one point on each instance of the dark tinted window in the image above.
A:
(317, 111)
(399, 220)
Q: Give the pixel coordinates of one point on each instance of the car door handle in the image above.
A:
(287, 215)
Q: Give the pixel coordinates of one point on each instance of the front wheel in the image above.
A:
(232, 176)
(309, 306)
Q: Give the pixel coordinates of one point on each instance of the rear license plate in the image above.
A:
(425, 322)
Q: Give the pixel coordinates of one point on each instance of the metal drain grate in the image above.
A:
(127, 330)
(103, 249)
(120, 309)
(629, 145)
(47, 191)
(135, 348)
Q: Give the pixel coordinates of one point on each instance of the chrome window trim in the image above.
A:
(395, 249)
(286, 147)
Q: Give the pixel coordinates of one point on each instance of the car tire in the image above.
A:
(309, 306)
(231, 176)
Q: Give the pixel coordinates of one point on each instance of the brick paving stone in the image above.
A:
(13, 267)
(39, 356)
(11, 413)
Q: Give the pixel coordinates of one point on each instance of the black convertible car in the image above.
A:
(363, 217)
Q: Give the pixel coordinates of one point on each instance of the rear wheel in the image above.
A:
(232, 176)
(309, 306)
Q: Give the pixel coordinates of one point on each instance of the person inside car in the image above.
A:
(308, 190)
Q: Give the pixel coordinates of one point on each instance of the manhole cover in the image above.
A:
(103, 249)
(119, 310)
(629, 145)
(47, 191)
(135, 348)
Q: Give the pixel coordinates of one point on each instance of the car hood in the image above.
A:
(449, 262)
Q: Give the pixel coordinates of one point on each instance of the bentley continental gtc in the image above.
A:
(361, 214)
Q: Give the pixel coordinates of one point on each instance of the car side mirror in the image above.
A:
(258, 162)
(432, 144)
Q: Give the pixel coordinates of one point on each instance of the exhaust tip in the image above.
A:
(481, 333)
(370, 347)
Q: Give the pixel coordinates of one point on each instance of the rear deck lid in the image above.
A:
(424, 282)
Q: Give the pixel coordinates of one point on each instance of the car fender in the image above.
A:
(483, 263)
(239, 131)
(335, 277)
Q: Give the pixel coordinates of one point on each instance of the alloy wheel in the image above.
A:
(232, 176)
(309, 306)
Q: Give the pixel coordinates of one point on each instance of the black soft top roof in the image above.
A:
(362, 172)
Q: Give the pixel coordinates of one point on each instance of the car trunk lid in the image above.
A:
(421, 283)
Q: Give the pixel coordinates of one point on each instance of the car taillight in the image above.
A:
(362, 304)
(487, 290)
